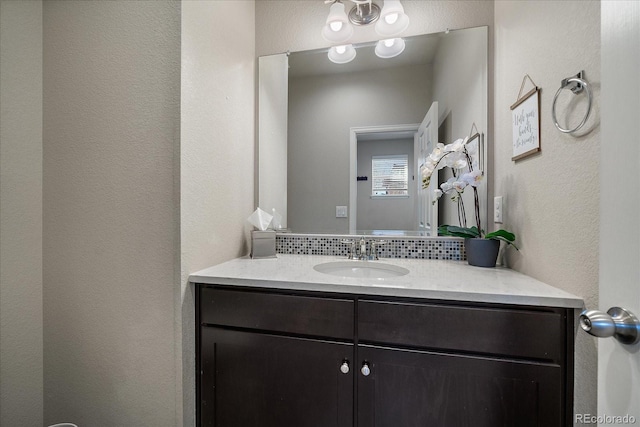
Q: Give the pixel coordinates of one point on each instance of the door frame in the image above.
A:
(353, 161)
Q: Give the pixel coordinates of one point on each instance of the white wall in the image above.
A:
(551, 199)
(21, 348)
(111, 249)
(217, 153)
(322, 109)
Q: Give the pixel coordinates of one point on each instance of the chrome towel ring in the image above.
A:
(577, 84)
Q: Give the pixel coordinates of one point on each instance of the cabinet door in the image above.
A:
(257, 380)
(413, 388)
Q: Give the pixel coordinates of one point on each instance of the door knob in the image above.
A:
(617, 322)
(344, 368)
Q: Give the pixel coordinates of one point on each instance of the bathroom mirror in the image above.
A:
(325, 129)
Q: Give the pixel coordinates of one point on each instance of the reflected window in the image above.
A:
(390, 175)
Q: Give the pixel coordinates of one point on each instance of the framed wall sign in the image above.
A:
(525, 122)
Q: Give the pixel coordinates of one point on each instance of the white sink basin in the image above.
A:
(361, 269)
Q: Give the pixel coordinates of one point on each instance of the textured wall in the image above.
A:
(111, 127)
(551, 199)
(217, 150)
(21, 213)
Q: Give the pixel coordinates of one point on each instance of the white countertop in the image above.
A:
(433, 279)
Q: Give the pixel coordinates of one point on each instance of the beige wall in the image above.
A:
(551, 199)
(217, 151)
(111, 129)
(21, 213)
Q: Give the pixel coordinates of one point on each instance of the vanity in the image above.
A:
(279, 343)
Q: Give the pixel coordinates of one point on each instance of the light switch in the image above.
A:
(341, 211)
(498, 207)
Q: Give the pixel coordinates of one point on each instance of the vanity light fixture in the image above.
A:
(390, 48)
(392, 20)
(337, 28)
(342, 54)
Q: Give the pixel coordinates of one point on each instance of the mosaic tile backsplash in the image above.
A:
(396, 246)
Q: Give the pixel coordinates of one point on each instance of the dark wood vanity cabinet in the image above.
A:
(277, 358)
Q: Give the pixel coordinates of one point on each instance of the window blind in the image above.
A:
(390, 175)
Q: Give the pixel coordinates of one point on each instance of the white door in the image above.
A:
(619, 364)
(424, 141)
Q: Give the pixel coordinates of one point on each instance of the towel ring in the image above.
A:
(576, 84)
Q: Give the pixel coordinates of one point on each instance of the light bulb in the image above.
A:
(390, 48)
(342, 54)
(337, 28)
(391, 18)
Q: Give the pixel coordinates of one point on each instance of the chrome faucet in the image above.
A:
(358, 249)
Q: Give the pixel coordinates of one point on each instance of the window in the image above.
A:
(390, 175)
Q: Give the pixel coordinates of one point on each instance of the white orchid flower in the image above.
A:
(456, 146)
(472, 178)
(446, 187)
(459, 186)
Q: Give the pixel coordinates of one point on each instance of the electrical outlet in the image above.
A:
(341, 211)
(498, 209)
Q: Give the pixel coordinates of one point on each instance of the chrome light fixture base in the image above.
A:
(364, 14)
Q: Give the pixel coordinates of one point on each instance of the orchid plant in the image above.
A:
(462, 156)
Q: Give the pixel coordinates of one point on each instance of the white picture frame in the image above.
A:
(525, 122)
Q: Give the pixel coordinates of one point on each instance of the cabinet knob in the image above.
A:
(344, 368)
(365, 369)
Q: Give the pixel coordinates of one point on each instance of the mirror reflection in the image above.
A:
(340, 145)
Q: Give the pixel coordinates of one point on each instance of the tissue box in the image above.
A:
(263, 244)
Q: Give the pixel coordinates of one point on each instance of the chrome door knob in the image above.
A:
(344, 368)
(365, 369)
(616, 322)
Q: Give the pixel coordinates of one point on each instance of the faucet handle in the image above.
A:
(374, 248)
(352, 249)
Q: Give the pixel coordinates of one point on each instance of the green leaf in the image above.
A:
(504, 236)
(452, 230)
(507, 236)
